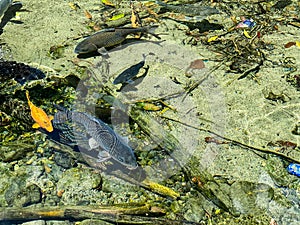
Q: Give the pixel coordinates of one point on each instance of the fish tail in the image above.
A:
(27, 95)
(28, 98)
(151, 29)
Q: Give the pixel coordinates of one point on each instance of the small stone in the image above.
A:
(35, 222)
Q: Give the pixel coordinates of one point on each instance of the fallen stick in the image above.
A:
(268, 151)
(125, 214)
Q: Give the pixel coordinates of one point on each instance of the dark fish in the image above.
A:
(9, 13)
(19, 71)
(93, 134)
(108, 38)
(189, 10)
(65, 134)
(4, 4)
(129, 73)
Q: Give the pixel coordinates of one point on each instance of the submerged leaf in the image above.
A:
(247, 34)
(107, 2)
(118, 16)
(212, 38)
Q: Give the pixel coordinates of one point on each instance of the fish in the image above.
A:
(294, 169)
(4, 4)
(93, 134)
(39, 116)
(189, 10)
(8, 9)
(129, 73)
(109, 38)
(19, 71)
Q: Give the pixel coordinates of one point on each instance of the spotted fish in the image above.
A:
(94, 134)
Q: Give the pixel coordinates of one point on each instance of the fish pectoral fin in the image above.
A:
(103, 155)
(102, 51)
(93, 143)
(51, 118)
(130, 81)
(36, 125)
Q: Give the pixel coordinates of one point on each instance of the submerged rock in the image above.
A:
(77, 184)
(19, 71)
(20, 195)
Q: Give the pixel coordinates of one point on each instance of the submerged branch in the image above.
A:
(120, 214)
(268, 151)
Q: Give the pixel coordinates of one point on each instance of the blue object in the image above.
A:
(249, 23)
(246, 23)
(294, 169)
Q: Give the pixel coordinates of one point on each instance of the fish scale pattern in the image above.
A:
(77, 129)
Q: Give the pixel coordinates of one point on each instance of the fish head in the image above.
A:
(127, 158)
(46, 124)
(85, 47)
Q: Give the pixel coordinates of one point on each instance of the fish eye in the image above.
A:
(121, 159)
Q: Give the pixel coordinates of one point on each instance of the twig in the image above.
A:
(194, 86)
(268, 151)
(124, 214)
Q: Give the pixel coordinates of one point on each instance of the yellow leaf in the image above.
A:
(218, 211)
(118, 16)
(133, 19)
(247, 34)
(161, 189)
(107, 2)
(74, 6)
(212, 38)
(151, 107)
(298, 44)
